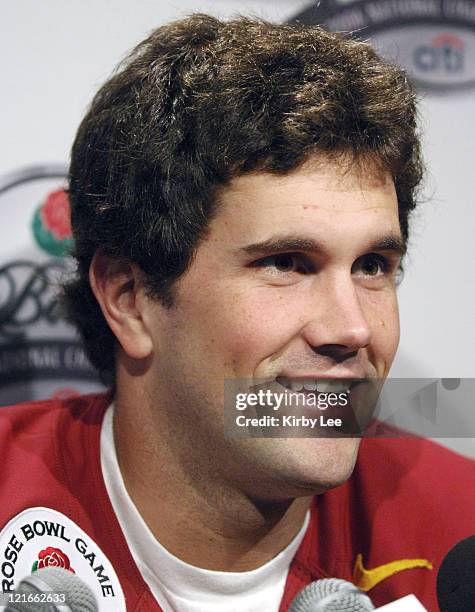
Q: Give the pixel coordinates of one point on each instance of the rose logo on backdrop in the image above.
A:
(52, 224)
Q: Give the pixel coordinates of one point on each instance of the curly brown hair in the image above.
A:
(201, 101)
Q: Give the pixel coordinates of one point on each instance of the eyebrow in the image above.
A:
(390, 242)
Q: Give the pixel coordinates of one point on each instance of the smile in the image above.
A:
(320, 385)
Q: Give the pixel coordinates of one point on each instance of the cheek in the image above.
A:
(249, 327)
(388, 333)
(384, 320)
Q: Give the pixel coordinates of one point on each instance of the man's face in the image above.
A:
(295, 280)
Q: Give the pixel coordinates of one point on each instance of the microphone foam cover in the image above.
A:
(331, 595)
(79, 596)
(456, 578)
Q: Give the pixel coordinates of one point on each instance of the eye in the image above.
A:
(372, 265)
(285, 263)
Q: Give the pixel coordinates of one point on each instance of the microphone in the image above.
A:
(79, 597)
(335, 595)
(456, 578)
(331, 595)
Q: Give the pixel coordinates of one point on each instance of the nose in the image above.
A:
(338, 326)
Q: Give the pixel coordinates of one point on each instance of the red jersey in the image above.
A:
(386, 529)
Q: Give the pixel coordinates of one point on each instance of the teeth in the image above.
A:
(333, 386)
(322, 386)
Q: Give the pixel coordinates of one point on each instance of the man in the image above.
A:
(240, 198)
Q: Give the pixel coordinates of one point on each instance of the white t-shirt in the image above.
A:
(176, 585)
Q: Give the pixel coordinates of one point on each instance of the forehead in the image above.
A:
(330, 199)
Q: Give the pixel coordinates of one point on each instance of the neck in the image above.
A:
(200, 518)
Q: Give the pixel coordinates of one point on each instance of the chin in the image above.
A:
(303, 467)
(322, 476)
(333, 462)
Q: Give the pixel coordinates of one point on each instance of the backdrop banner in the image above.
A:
(40, 353)
(434, 40)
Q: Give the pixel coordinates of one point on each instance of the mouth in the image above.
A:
(345, 403)
(321, 385)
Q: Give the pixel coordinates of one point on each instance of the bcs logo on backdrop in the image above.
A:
(434, 40)
(40, 354)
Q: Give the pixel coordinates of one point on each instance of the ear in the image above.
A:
(118, 287)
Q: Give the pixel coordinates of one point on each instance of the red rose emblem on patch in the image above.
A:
(54, 557)
(56, 214)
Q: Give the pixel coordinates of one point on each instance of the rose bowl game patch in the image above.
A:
(42, 537)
